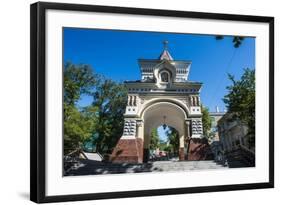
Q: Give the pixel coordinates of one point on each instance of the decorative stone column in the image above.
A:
(196, 128)
(181, 148)
(146, 148)
(199, 148)
(129, 148)
(187, 138)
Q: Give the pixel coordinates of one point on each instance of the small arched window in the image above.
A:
(165, 77)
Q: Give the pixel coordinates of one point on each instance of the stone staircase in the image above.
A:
(88, 167)
(240, 158)
(185, 165)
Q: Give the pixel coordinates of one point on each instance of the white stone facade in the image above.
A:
(164, 91)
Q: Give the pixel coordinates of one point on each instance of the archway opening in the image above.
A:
(157, 117)
(164, 142)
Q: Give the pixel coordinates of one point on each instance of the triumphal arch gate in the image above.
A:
(164, 96)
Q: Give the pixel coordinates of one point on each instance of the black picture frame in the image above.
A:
(38, 101)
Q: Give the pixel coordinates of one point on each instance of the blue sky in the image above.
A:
(114, 54)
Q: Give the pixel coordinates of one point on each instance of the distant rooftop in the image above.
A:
(217, 113)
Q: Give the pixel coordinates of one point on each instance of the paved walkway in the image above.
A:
(91, 167)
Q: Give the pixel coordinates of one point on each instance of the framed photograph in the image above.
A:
(129, 102)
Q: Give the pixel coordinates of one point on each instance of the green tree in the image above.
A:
(173, 138)
(78, 80)
(77, 128)
(101, 123)
(110, 99)
(241, 101)
(206, 121)
(162, 145)
(154, 140)
(168, 148)
(237, 40)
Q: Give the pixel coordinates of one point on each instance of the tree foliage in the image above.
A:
(78, 127)
(206, 121)
(241, 101)
(102, 121)
(78, 80)
(154, 140)
(110, 99)
(237, 40)
(173, 138)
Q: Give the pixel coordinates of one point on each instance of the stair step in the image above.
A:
(88, 167)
